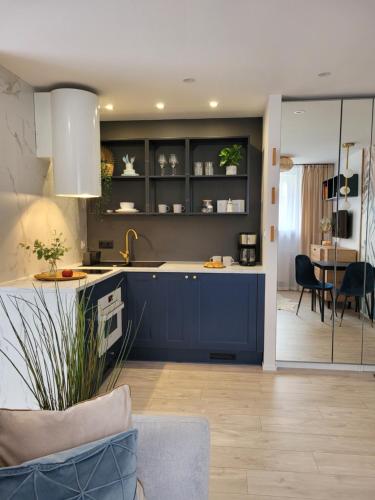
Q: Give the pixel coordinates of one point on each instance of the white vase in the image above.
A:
(231, 170)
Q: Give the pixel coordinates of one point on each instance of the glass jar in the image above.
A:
(198, 168)
(208, 168)
(207, 207)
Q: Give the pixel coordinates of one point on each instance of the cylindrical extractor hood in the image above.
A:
(75, 143)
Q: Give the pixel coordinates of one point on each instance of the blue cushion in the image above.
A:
(102, 470)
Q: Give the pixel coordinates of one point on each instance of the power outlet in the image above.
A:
(105, 244)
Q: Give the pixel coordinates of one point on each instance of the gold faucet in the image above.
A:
(126, 254)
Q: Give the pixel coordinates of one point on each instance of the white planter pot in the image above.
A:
(231, 170)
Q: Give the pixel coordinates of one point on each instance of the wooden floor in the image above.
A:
(291, 434)
(306, 338)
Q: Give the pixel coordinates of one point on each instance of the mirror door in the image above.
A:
(348, 226)
(326, 228)
(310, 137)
(368, 244)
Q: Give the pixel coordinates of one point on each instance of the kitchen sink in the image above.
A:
(140, 263)
(134, 263)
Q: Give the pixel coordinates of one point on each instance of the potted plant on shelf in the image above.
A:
(50, 253)
(230, 158)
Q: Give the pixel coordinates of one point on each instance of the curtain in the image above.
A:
(313, 206)
(289, 227)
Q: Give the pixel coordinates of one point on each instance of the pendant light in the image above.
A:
(347, 173)
(286, 163)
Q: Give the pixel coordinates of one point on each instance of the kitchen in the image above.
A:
(153, 267)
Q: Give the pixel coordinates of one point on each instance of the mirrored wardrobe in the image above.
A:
(326, 230)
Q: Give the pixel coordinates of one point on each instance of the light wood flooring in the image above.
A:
(293, 434)
(306, 338)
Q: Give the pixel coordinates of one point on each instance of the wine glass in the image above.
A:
(173, 162)
(162, 162)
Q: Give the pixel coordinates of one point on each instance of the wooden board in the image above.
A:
(59, 277)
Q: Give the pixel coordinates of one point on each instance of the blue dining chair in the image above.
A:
(358, 282)
(306, 278)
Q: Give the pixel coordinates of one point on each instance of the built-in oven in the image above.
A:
(110, 308)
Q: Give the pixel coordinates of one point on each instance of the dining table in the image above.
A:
(328, 265)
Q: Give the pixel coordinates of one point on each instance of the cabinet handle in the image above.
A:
(273, 196)
(274, 157)
(194, 277)
(272, 233)
(154, 276)
(186, 277)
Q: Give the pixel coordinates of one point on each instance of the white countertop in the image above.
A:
(29, 282)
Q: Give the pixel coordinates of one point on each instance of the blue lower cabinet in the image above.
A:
(197, 317)
(177, 291)
(227, 312)
(143, 292)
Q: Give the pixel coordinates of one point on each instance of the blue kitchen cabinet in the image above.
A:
(227, 312)
(167, 320)
(197, 317)
(178, 295)
(143, 292)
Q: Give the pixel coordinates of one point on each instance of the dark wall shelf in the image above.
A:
(150, 188)
(183, 214)
(166, 177)
(127, 177)
(209, 177)
(330, 187)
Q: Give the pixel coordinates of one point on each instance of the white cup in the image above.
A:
(126, 205)
(216, 258)
(178, 208)
(163, 208)
(227, 260)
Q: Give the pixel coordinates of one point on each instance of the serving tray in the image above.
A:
(77, 275)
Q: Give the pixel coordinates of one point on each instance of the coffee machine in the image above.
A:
(247, 244)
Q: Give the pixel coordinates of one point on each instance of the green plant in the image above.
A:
(231, 155)
(106, 180)
(60, 351)
(50, 253)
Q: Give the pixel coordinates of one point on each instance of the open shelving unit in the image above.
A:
(150, 188)
(330, 187)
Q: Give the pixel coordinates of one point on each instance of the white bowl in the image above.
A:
(126, 205)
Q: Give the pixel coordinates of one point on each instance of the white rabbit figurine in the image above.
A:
(129, 165)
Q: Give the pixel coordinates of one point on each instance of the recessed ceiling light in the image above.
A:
(324, 73)
(109, 107)
(189, 80)
(160, 105)
(213, 104)
(299, 111)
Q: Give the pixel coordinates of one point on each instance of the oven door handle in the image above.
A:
(113, 312)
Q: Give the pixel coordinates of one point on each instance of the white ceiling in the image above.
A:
(314, 136)
(136, 52)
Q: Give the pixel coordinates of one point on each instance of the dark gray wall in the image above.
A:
(182, 238)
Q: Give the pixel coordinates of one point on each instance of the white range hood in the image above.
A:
(68, 131)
